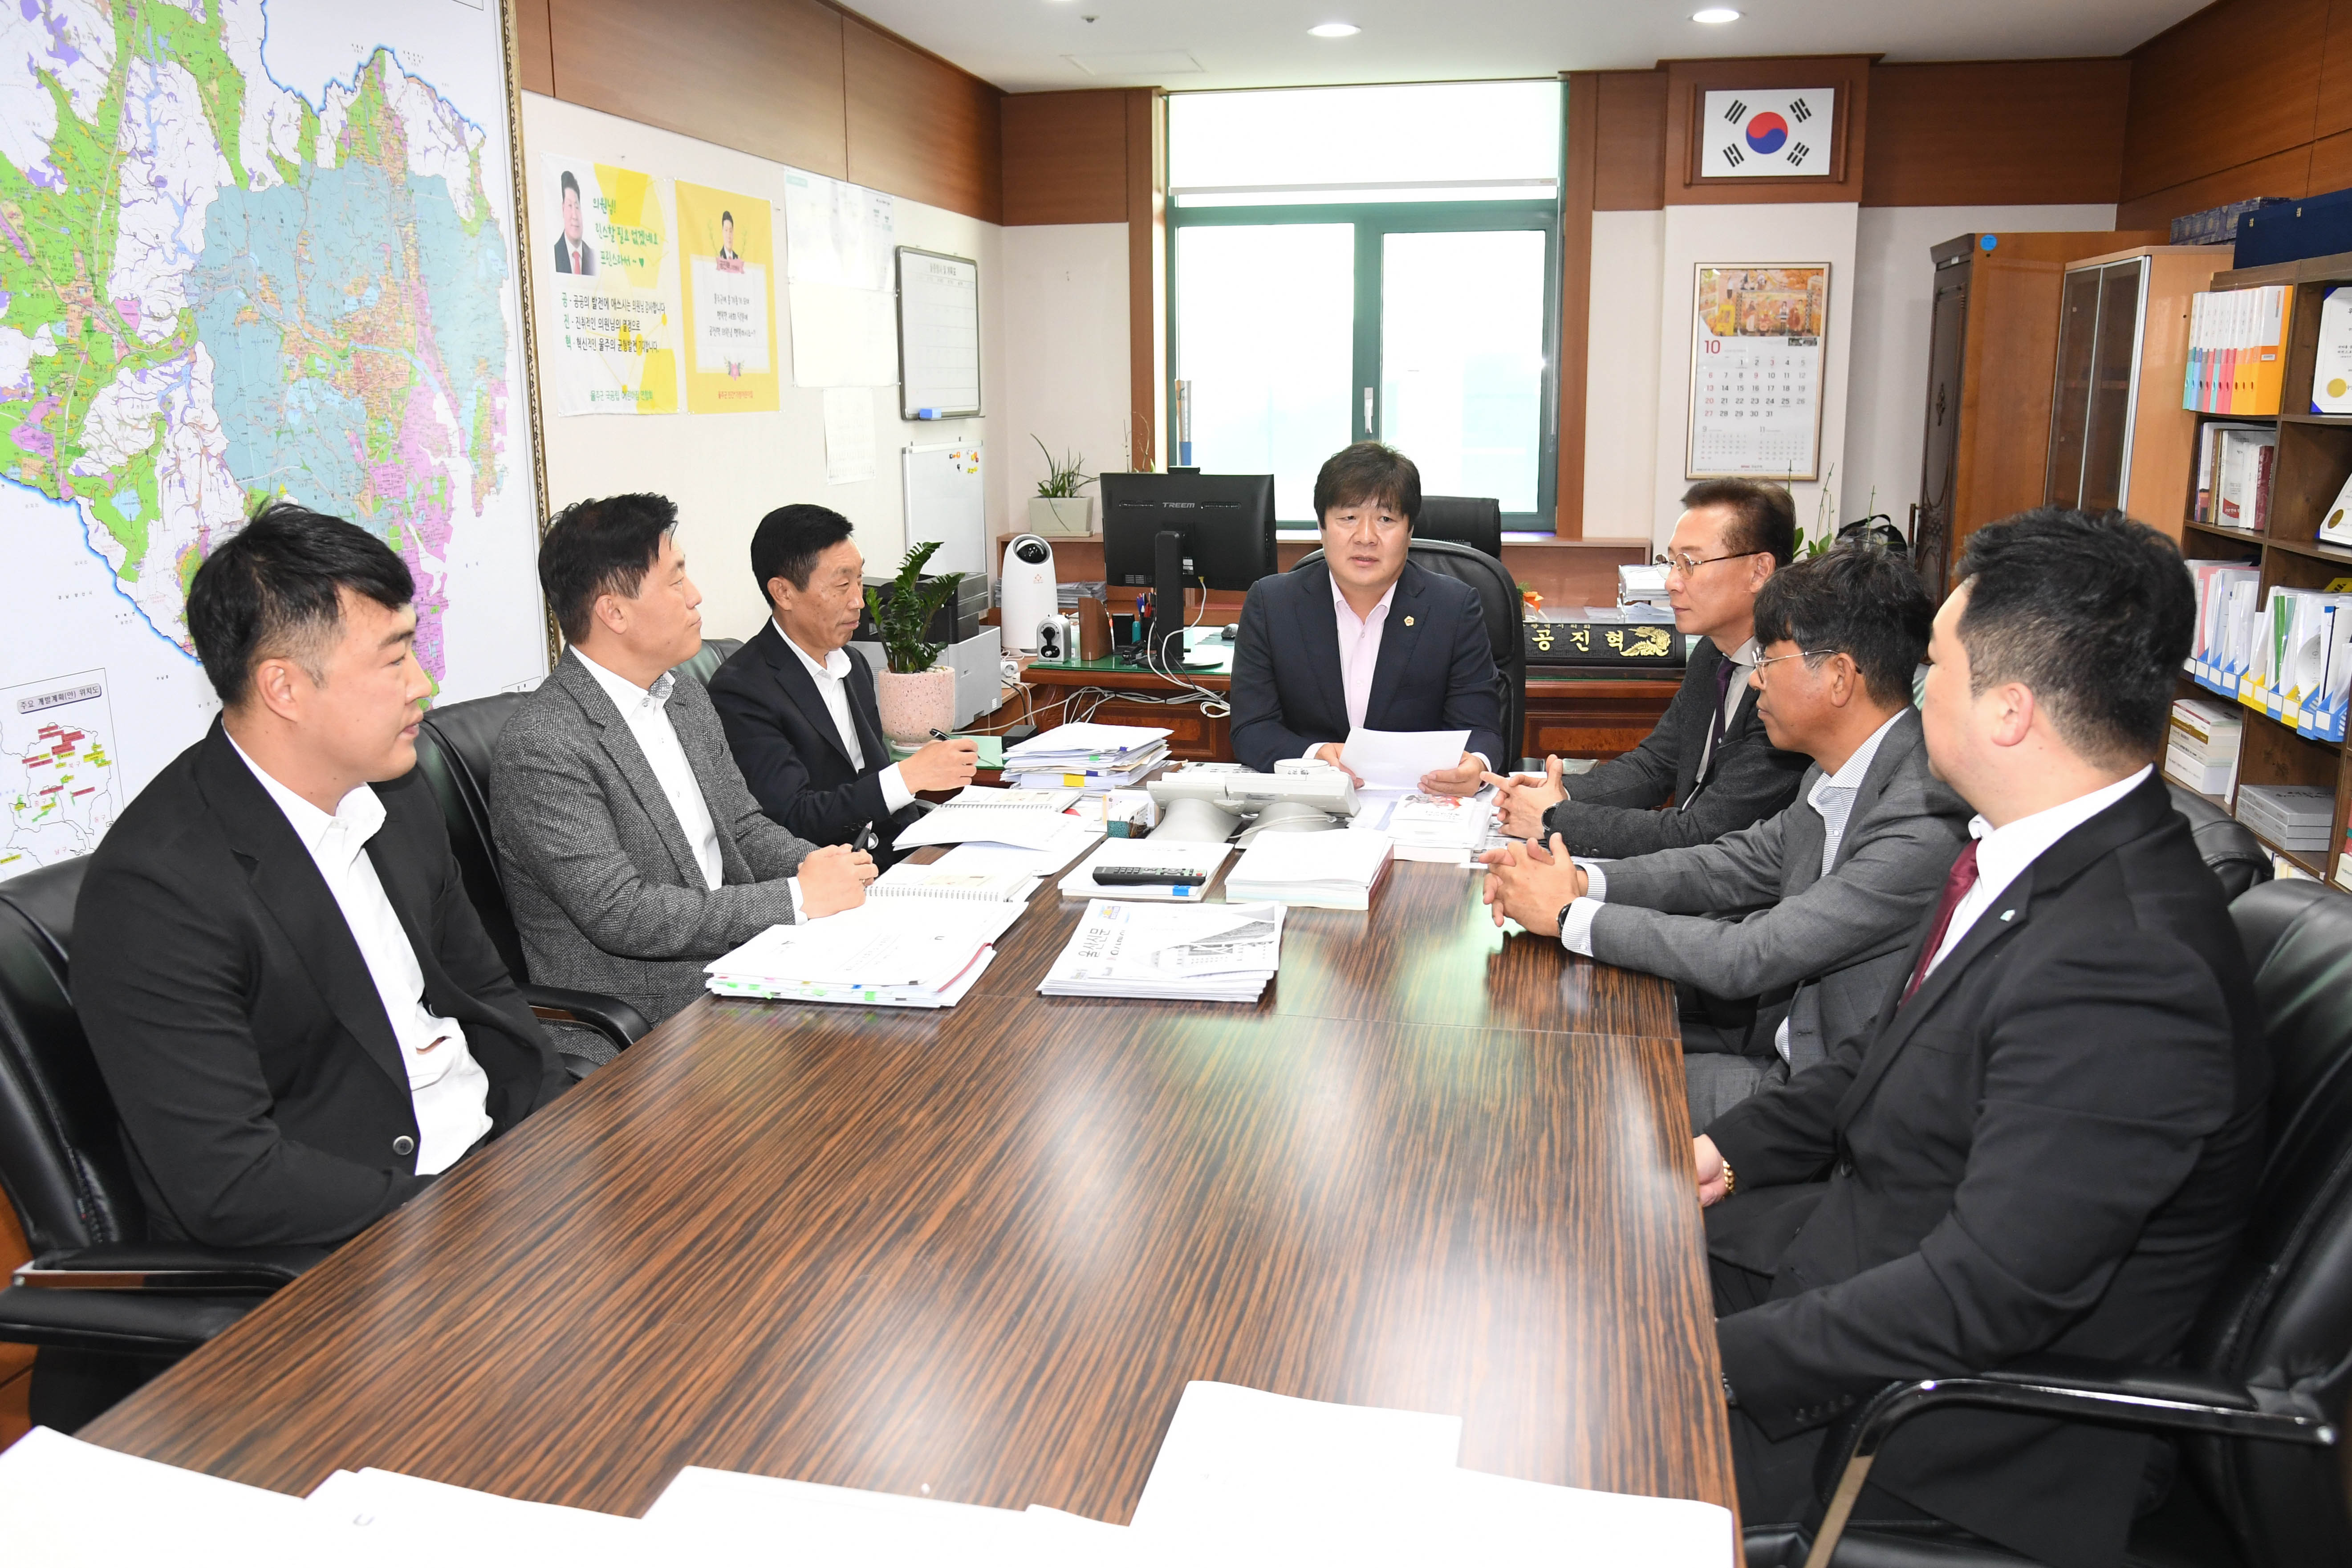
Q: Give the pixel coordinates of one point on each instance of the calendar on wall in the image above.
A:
(1755, 372)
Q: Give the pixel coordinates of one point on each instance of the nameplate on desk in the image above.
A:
(1604, 643)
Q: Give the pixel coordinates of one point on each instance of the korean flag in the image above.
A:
(1779, 133)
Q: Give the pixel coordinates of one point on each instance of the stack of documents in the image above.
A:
(894, 953)
(1242, 1478)
(1096, 758)
(1333, 870)
(2300, 818)
(1444, 829)
(1036, 820)
(969, 873)
(2201, 746)
(1148, 855)
(1217, 952)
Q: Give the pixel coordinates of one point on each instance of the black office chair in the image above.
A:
(2226, 844)
(94, 1283)
(2260, 1396)
(1474, 520)
(705, 663)
(1504, 615)
(454, 747)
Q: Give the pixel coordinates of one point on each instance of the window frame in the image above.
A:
(1374, 221)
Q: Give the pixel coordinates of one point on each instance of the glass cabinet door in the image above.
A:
(2095, 397)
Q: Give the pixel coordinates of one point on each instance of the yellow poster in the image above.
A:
(728, 242)
(611, 274)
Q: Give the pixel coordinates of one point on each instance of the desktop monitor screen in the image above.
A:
(1227, 522)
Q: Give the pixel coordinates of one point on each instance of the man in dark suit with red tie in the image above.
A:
(2047, 1140)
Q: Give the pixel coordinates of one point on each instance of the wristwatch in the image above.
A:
(1560, 923)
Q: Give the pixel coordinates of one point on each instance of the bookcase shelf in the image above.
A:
(2313, 460)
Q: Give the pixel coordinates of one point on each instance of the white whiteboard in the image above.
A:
(939, 335)
(944, 502)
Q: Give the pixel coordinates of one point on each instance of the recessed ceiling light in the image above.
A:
(1336, 30)
(1716, 16)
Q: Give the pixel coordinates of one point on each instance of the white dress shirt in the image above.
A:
(832, 680)
(446, 1087)
(2004, 853)
(646, 710)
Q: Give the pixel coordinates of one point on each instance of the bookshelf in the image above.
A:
(2313, 460)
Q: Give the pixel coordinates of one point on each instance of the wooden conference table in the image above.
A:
(981, 1251)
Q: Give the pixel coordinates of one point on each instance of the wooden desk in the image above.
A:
(981, 1251)
(1600, 716)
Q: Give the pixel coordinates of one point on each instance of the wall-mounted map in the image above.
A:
(247, 247)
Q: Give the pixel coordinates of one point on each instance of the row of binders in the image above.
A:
(2286, 652)
(1242, 1478)
(2237, 349)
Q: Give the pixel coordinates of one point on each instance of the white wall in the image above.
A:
(1621, 382)
(1791, 232)
(1064, 372)
(726, 471)
(1893, 295)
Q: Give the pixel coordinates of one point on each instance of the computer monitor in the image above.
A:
(1227, 522)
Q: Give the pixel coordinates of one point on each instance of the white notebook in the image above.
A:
(967, 874)
(1330, 870)
(1030, 817)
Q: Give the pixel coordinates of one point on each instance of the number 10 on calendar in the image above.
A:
(1756, 371)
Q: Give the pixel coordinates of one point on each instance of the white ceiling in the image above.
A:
(1028, 45)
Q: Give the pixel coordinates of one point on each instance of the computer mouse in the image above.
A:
(1226, 635)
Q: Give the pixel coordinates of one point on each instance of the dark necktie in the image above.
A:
(1956, 888)
(1723, 674)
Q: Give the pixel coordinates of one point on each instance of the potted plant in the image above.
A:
(1057, 509)
(917, 693)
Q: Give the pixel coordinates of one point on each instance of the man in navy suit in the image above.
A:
(1364, 638)
(799, 708)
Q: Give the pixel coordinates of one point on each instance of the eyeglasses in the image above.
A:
(1688, 565)
(1802, 653)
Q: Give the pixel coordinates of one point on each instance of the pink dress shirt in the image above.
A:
(1360, 650)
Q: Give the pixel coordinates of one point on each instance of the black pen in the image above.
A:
(939, 735)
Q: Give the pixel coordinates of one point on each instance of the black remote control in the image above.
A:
(1147, 875)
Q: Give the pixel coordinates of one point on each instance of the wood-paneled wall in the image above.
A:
(801, 81)
(2247, 98)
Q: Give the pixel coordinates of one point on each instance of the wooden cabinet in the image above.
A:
(2119, 439)
(1992, 357)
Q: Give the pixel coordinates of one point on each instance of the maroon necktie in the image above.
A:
(1956, 888)
(1723, 673)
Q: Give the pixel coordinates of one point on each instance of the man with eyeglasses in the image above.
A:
(1364, 638)
(1709, 754)
(1811, 911)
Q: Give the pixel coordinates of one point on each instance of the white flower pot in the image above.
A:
(915, 705)
(1062, 517)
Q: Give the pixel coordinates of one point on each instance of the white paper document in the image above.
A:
(1031, 817)
(1214, 952)
(917, 952)
(1397, 758)
(849, 434)
(762, 1520)
(70, 1504)
(843, 337)
(1443, 828)
(1335, 869)
(378, 1519)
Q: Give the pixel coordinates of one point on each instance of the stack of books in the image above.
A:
(1642, 584)
(2202, 747)
(887, 953)
(1095, 758)
(1176, 953)
(2298, 818)
(1443, 829)
(1328, 871)
(2237, 349)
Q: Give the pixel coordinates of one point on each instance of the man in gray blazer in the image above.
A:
(1811, 911)
(634, 854)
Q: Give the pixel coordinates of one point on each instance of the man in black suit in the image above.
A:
(1365, 640)
(799, 708)
(574, 254)
(1709, 754)
(2047, 1140)
(293, 1002)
